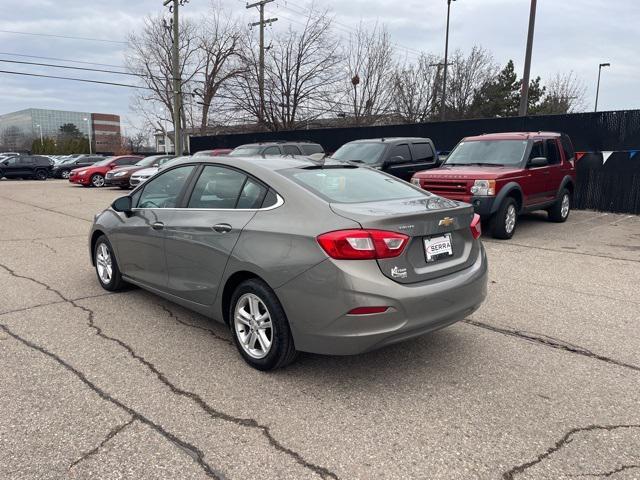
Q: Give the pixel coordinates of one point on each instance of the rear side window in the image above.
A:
(352, 185)
(567, 147)
(25, 160)
(217, 187)
(553, 155)
(291, 150)
(400, 151)
(422, 152)
(252, 194)
(125, 161)
(311, 148)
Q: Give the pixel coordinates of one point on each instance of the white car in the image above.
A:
(143, 175)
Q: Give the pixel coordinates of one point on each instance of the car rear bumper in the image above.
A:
(317, 303)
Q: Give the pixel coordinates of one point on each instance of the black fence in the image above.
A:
(611, 186)
(617, 130)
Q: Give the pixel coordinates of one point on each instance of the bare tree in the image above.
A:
(369, 67)
(467, 75)
(218, 44)
(415, 88)
(149, 57)
(565, 93)
(300, 75)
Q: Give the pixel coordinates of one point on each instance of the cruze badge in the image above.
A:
(445, 222)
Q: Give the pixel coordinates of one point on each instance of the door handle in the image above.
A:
(222, 227)
(157, 226)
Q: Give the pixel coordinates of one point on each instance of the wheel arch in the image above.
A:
(94, 239)
(512, 190)
(568, 183)
(230, 286)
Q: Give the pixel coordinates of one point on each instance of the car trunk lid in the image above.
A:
(428, 221)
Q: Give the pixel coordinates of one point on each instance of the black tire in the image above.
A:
(41, 174)
(282, 351)
(1, 174)
(97, 180)
(499, 224)
(116, 282)
(557, 213)
(65, 174)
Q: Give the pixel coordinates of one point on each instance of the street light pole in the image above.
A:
(446, 65)
(598, 87)
(42, 139)
(524, 92)
(89, 130)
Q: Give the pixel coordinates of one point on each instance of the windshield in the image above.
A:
(488, 152)
(352, 185)
(245, 151)
(106, 161)
(364, 152)
(147, 162)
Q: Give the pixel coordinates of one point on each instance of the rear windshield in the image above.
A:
(364, 152)
(488, 152)
(245, 151)
(352, 185)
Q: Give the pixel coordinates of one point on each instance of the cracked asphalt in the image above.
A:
(543, 382)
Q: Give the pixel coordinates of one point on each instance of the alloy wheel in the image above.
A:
(565, 205)
(97, 181)
(104, 263)
(254, 329)
(510, 219)
(65, 174)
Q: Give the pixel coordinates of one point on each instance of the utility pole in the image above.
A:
(261, 24)
(524, 92)
(175, 73)
(598, 87)
(446, 66)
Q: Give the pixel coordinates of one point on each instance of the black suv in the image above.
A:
(26, 166)
(277, 148)
(63, 169)
(400, 156)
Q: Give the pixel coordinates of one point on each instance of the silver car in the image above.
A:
(295, 254)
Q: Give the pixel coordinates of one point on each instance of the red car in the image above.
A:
(505, 174)
(93, 175)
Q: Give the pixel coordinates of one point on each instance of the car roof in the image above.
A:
(261, 162)
(511, 136)
(391, 140)
(283, 142)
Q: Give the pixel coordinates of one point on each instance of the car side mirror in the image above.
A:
(538, 162)
(122, 204)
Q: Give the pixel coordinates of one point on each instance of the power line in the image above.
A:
(21, 55)
(64, 36)
(74, 79)
(84, 69)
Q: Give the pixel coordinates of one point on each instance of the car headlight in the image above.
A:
(82, 172)
(120, 174)
(415, 181)
(484, 187)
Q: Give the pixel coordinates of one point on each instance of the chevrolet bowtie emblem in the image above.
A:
(445, 222)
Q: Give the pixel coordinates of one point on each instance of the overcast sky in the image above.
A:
(570, 35)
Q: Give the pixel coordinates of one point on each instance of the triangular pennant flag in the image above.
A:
(605, 157)
(632, 153)
(579, 155)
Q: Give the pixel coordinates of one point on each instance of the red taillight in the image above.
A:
(362, 244)
(367, 310)
(476, 228)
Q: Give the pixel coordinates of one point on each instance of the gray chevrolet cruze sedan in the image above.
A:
(295, 254)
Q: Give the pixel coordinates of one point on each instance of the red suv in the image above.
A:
(94, 175)
(505, 174)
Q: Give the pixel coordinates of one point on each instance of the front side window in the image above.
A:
(271, 151)
(291, 150)
(217, 187)
(125, 161)
(537, 150)
(488, 152)
(352, 185)
(245, 151)
(164, 191)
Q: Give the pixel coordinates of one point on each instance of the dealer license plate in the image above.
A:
(437, 248)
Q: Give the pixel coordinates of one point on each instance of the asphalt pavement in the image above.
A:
(543, 382)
